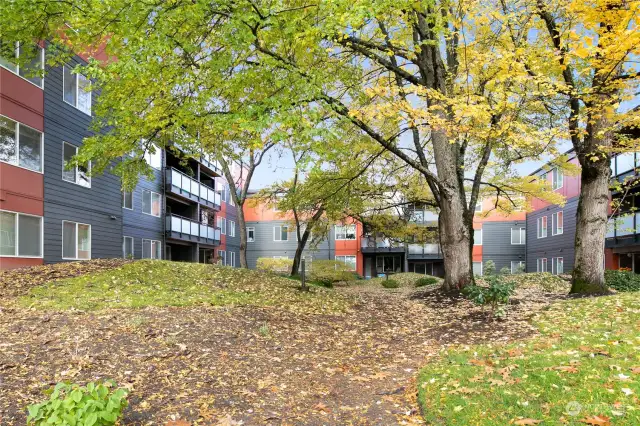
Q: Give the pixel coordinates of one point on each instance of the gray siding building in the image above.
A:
(505, 244)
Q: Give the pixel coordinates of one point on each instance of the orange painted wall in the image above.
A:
(20, 100)
(352, 248)
(18, 262)
(21, 190)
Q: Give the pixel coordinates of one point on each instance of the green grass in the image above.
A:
(588, 353)
(162, 283)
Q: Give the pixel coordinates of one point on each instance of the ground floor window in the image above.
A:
(20, 235)
(388, 264)
(350, 261)
(477, 268)
(222, 257)
(541, 265)
(151, 249)
(232, 258)
(127, 247)
(557, 265)
(517, 266)
(76, 241)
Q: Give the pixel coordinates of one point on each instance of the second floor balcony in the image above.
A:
(371, 244)
(427, 250)
(187, 187)
(182, 228)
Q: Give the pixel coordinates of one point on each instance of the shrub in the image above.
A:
(496, 295)
(489, 268)
(327, 272)
(622, 280)
(426, 281)
(505, 271)
(269, 264)
(390, 284)
(98, 404)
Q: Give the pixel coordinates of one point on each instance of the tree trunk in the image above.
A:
(591, 228)
(243, 235)
(302, 242)
(455, 242)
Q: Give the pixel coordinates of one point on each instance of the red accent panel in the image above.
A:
(477, 254)
(611, 260)
(20, 100)
(570, 188)
(21, 190)
(18, 262)
(352, 248)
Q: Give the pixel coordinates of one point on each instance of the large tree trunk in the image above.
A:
(243, 235)
(455, 242)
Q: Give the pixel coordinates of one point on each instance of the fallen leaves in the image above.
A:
(526, 422)
(596, 420)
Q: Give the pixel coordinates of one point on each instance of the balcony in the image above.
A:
(187, 187)
(380, 245)
(425, 251)
(182, 228)
(623, 230)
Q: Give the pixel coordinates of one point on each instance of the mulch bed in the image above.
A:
(247, 365)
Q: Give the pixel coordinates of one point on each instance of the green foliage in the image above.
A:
(496, 296)
(543, 281)
(622, 280)
(489, 268)
(390, 283)
(426, 281)
(278, 265)
(98, 404)
(328, 272)
(505, 271)
(406, 279)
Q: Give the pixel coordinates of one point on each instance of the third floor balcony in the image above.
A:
(187, 187)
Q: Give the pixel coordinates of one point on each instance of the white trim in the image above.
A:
(77, 92)
(231, 227)
(17, 130)
(232, 259)
(77, 175)
(345, 232)
(542, 263)
(252, 240)
(554, 265)
(17, 72)
(151, 205)
(158, 242)
(280, 233)
(475, 240)
(521, 232)
(76, 241)
(16, 224)
(133, 247)
(481, 267)
(519, 262)
(559, 173)
(542, 228)
(554, 223)
(127, 208)
(344, 260)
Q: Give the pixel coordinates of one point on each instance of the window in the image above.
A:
(222, 224)
(251, 235)
(557, 265)
(541, 265)
(76, 241)
(76, 90)
(542, 227)
(517, 266)
(477, 268)
(557, 178)
(34, 54)
(624, 162)
(20, 145)
(223, 257)
(232, 228)
(518, 236)
(232, 258)
(350, 261)
(345, 232)
(151, 203)
(557, 220)
(127, 200)
(477, 237)
(127, 247)
(280, 233)
(154, 159)
(20, 235)
(223, 193)
(151, 249)
(478, 208)
(78, 174)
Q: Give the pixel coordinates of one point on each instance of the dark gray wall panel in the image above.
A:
(496, 243)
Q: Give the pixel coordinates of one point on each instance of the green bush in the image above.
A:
(496, 295)
(269, 264)
(97, 404)
(489, 268)
(622, 280)
(426, 281)
(328, 272)
(505, 271)
(390, 284)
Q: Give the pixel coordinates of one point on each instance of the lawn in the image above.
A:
(583, 368)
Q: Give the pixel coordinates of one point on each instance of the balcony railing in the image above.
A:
(425, 249)
(380, 243)
(184, 228)
(193, 189)
(624, 225)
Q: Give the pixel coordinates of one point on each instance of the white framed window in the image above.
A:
(153, 159)
(222, 224)
(127, 247)
(541, 264)
(32, 72)
(151, 249)
(348, 260)
(542, 227)
(478, 208)
(232, 258)
(251, 235)
(477, 268)
(477, 237)
(281, 233)
(518, 236)
(79, 174)
(127, 200)
(223, 193)
(76, 241)
(76, 90)
(557, 265)
(232, 228)
(345, 232)
(21, 145)
(517, 266)
(151, 203)
(557, 223)
(222, 257)
(20, 235)
(557, 178)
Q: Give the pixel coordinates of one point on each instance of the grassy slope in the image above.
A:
(588, 352)
(161, 283)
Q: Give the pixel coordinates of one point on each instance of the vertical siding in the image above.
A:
(100, 205)
(496, 243)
